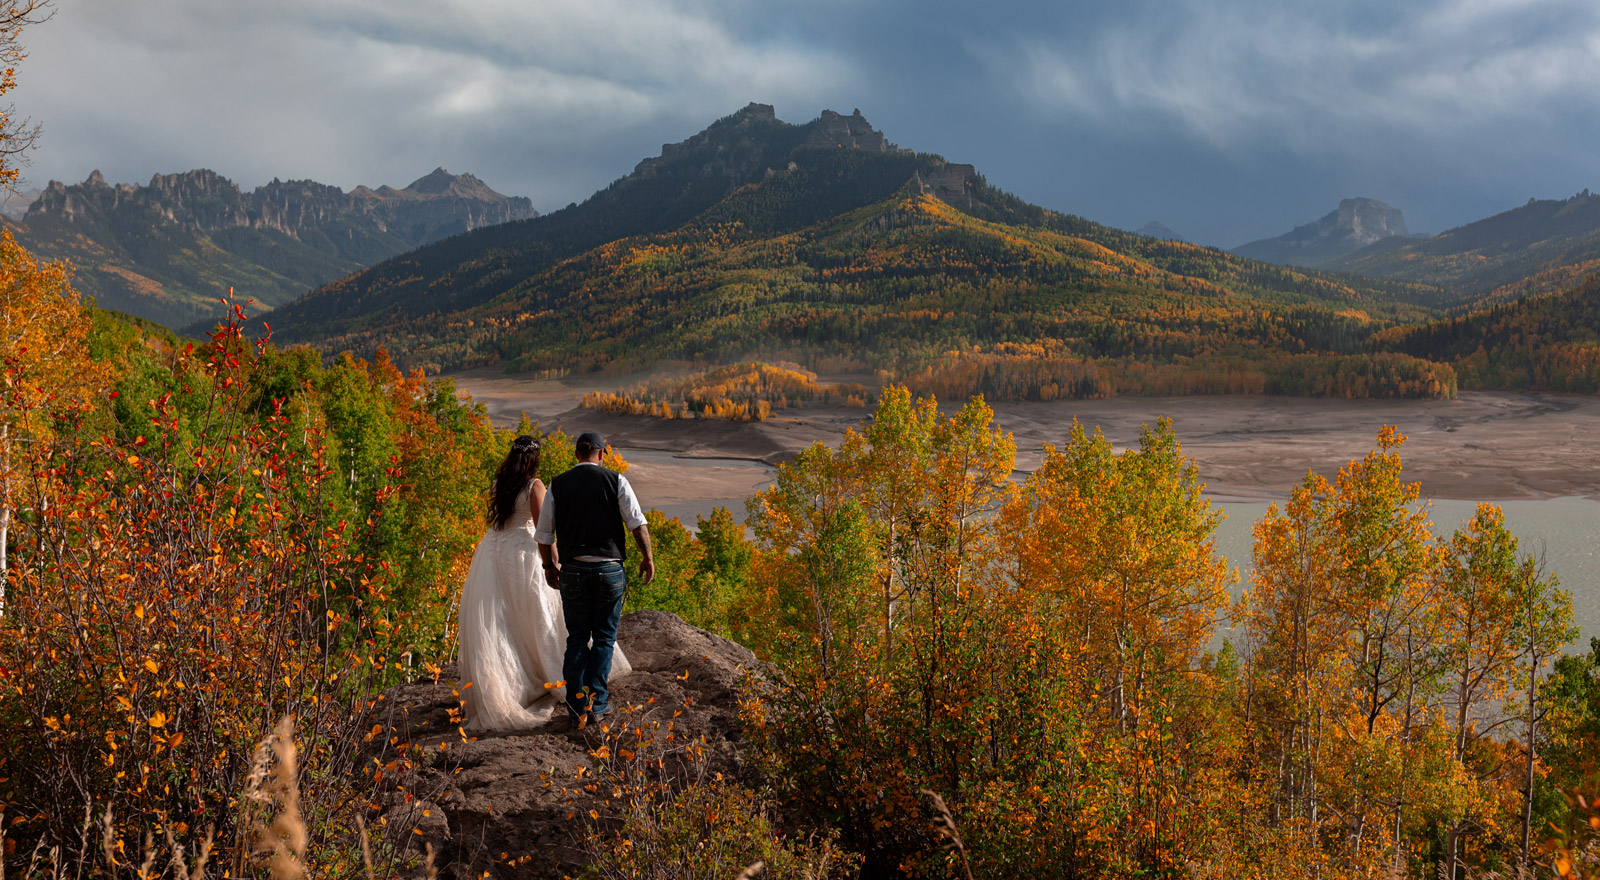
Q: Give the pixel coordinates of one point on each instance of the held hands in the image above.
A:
(552, 577)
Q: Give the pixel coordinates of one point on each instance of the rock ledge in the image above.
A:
(499, 802)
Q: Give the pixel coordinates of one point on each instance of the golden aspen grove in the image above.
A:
(218, 553)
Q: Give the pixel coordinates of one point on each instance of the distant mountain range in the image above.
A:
(15, 204)
(826, 244)
(1355, 224)
(1157, 229)
(168, 250)
(1544, 246)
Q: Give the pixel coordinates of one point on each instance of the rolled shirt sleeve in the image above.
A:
(627, 502)
(545, 531)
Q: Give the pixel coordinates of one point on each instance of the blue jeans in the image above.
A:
(591, 603)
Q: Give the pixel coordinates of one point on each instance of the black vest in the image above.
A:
(588, 515)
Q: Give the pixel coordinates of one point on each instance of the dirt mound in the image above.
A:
(517, 804)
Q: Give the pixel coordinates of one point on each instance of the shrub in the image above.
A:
(173, 595)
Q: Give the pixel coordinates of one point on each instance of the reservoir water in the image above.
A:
(1562, 532)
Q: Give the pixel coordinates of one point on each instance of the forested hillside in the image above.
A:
(210, 538)
(1547, 342)
(746, 149)
(824, 245)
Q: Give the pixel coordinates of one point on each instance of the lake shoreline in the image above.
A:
(1536, 455)
(1482, 446)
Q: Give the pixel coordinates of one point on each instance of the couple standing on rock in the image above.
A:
(544, 593)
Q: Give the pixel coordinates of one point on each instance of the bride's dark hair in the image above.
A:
(516, 472)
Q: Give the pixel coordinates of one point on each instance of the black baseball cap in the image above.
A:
(591, 440)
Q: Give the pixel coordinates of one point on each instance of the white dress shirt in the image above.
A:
(627, 504)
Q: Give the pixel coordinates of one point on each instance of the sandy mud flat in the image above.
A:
(1487, 446)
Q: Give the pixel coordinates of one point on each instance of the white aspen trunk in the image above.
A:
(1527, 778)
(5, 513)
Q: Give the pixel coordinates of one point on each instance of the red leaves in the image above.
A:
(188, 573)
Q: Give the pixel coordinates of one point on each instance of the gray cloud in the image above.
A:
(382, 90)
(1227, 119)
(1318, 76)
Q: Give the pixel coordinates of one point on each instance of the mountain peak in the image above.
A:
(1157, 229)
(434, 182)
(1356, 223)
(836, 130)
(1367, 220)
(752, 110)
(754, 138)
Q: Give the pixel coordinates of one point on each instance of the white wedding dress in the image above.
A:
(512, 632)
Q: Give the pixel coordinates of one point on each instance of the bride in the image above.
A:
(511, 627)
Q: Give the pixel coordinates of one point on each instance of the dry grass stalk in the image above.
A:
(180, 865)
(108, 840)
(33, 860)
(83, 835)
(198, 872)
(284, 841)
(149, 857)
(944, 827)
(366, 846)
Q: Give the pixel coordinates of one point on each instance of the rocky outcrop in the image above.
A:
(1355, 224)
(950, 183)
(201, 201)
(1545, 242)
(517, 804)
(834, 131)
(746, 142)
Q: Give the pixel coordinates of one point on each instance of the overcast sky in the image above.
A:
(1228, 120)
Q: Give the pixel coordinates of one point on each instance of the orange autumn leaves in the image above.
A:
(230, 534)
(173, 595)
(737, 392)
(1023, 649)
(1035, 651)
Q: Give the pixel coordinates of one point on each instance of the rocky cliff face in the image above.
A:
(432, 207)
(738, 145)
(1355, 224)
(950, 183)
(834, 131)
(167, 250)
(514, 803)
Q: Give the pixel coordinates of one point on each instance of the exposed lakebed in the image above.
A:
(1538, 456)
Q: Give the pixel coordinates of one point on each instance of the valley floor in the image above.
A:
(1487, 446)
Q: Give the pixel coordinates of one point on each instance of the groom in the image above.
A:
(586, 514)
